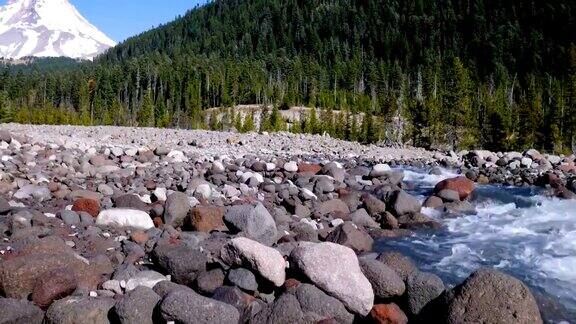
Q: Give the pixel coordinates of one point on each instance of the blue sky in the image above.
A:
(120, 19)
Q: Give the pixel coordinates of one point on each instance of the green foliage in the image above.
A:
(439, 73)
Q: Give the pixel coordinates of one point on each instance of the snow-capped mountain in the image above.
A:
(48, 28)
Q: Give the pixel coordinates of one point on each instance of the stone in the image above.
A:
(385, 282)
(4, 206)
(291, 166)
(380, 170)
(137, 306)
(120, 217)
(87, 205)
(309, 168)
(421, 289)
(462, 185)
(147, 278)
(208, 281)
(448, 195)
(526, 162)
(243, 279)
(77, 309)
(16, 311)
(403, 265)
(207, 219)
(335, 269)
(176, 209)
(333, 206)
(254, 221)
(405, 203)
(361, 218)
(314, 300)
(374, 206)
(388, 314)
(53, 285)
(182, 262)
(232, 296)
(434, 202)
(130, 202)
(217, 167)
(266, 261)
(69, 217)
(490, 296)
(187, 307)
(349, 235)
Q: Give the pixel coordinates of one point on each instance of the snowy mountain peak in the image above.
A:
(48, 28)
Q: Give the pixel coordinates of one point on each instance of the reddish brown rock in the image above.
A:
(139, 237)
(207, 218)
(388, 314)
(53, 285)
(462, 185)
(309, 168)
(87, 205)
(158, 222)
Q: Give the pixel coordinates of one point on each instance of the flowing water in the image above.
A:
(516, 230)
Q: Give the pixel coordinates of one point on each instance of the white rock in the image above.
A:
(112, 285)
(270, 167)
(217, 167)
(145, 278)
(380, 170)
(526, 162)
(307, 194)
(335, 269)
(267, 261)
(204, 190)
(131, 152)
(125, 218)
(160, 194)
(291, 166)
(117, 151)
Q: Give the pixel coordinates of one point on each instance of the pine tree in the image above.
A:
(145, 116)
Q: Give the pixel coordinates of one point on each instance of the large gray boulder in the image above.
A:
(19, 311)
(176, 209)
(182, 262)
(75, 309)
(254, 221)
(404, 203)
(137, 306)
(266, 261)
(385, 281)
(335, 269)
(490, 296)
(314, 300)
(187, 307)
(421, 289)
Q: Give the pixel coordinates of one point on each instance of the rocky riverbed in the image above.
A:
(128, 225)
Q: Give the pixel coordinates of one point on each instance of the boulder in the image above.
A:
(335, 269)
(403, 265)
(333, 206)
(374, 206)
(187, 307)
(404, 203)
(77, 309)
(380, 170)
(266, 261)
(422, 288)
(490, 296)
(182, 262)
(207, 218)
(146, 278)
(137, 306)
(462, 185)
(243, 279)
(254, 221)
(176, 209)
(286, 309)
(53, 285)
(349, 235)
(388, 314)
(16, 311)
(130, 202)
(385, 282)
(119, 217)
(87, 205)
(448, 195)
(314, 300)
(208, 281)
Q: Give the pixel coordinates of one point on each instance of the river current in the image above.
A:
(517, 230)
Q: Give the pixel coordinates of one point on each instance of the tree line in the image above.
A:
(447, 74)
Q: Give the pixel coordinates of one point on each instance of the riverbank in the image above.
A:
(151, 225)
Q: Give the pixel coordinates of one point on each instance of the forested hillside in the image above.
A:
(498, 74)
